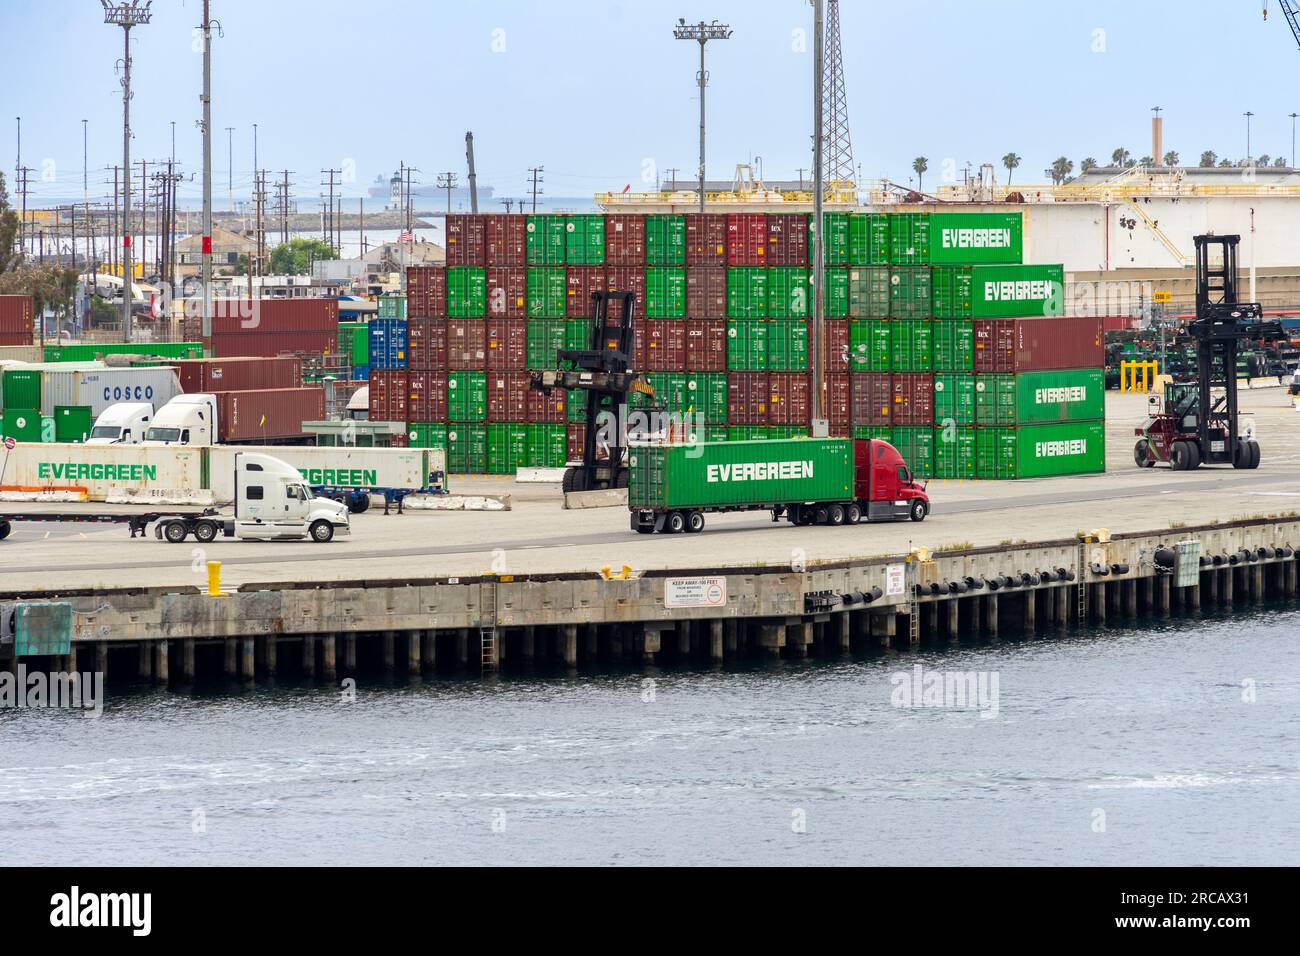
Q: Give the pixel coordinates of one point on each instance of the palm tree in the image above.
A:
(1226, 162)
(1171, 158)
(1061, 169)
(1011, 161)
(1208, 158)
(1119, 157)
(1263, 159)
(1146, 161)
(919, 166)
(1087, 165)
(1280, 162)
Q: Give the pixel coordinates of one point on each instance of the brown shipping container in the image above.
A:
(870, 396)
(506, 346)
(268, 413)
(388, 395)
(507, 396)
(507, 292)
(426, 292)
(747, 398)
(666, 345)
(426, 399)
(1040, 344)
(237, 374)
(426, 347)
(787, 239)
(706, 292)
(574, 435)
(580, 282)
(913, 399)
(706, 345)
(837, 403)
(706, 239)
(507, 239)
(270, 344)
(16, 322)
(640, 345)
(790, 398)
(746, 239)
(835, 345)
(466, 242)
(546, 409)
(467, 344)
(266, 316)
(627, 279)
(625, 240)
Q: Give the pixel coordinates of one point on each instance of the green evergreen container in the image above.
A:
(954, 345)
(971, 238)
(747, 292)
(911, 345)
(1041, 451)
(89, 352)
(545, 240)
(1033, 397)
(995, 453)
(1013, 292)
(787, 345)
(995, 400)
(868, 239)
(786, 432)
(669, 392)
(426, 435)
(951, 292)
(869, 292)
(869, 345)
(507, 447)
(466, 396)
(467, 451)
(788, 293)
(665, 292)
(954, 398)
(21, 388)
(576, 407)
(881, 432)
(955, 453)
(584, 243)
(747, 433)
(665, 240)
(747, 345)
(354, 340)
(909, 292)
(72, 423)
(711, 433)
(835, 239)
(836, 293)
(545, 292)
(909, 238)
(22, 424)
(544, 338)
(466, 292)
(916, 445)
(706, 395)
(547, 446)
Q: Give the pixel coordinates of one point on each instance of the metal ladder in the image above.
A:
(914, 605)
(1083, 584)
(487, 627)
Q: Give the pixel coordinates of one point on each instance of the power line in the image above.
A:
(447, 181)
(536, 173)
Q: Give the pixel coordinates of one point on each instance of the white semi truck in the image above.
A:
(122, 424)
(185, 420)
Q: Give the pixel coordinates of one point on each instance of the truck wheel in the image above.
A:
(5, 528)
(175, 532)
(1193, 456)
(674, 523)
(574, 480)
(821, 515)
(918, 511)
(205, 531)
(853, 513)
(695, 522)
(1180, 456)
(322, 531)
(1241, 454)
(358, 504)
(835, 515)
(1142, 455)
(1254, 455)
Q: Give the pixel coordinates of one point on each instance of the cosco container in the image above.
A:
(506, 236)
(547, 292)
(788, 293)
(954, 398)
(1040, 451)
(1032, 397)
(747, 296)
(100, 388)
(868, 239)
(665, 240)
(466, 292)
(545, 240)
(706, 239)
(1040, 344)
(665, 292)
(585, 240)
(971, 238)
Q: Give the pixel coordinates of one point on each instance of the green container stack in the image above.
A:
(389, 307)
(467, 292)
(665, 292)
(584, 243)
(545, 240)
(665, 240)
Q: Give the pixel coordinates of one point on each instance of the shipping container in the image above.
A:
(507, 292)
(911, 345)
(507, 396)
(685, 476)
(426, 435)
(665, 292)
(388, 395)
(747, 398)
(787, 345)
(546, 446)
(916, 445)
(100, 388)
(1017, 291)
(837, 403)
(545, 240)
(426, 345)
(871, 395)
(913, 400)
(1040, 451)
(835, 345)
(706, 292)
(623, 278)
(869, 345)
(547, 409)
(547, 291)
(94, 351)
(909, 292)
(747, 345)
(22, 424)
(954, 398)
(882, 432)
(706, 397)
(790, 399)
(354, 342)
(466, 292)
(787, 239)
(320, 315)
(264, 415)
(868, 239)
(467, 344)
(746, 239)
(20, 353)
(788, 293)
(706, 345)
(955, 453)
(971, 238)
(706, 239)
(868, 293)
(237, 374)
(506, 345)
(17, 322)
(909, 238)
(388, 343)
(545, 337)
(270, 344)
(625, 241)
(950, 292)
(580, 282)
(747, 295)
(1034, 397)
(1039, 344)
(574, 435)
(954, 345)
(426, 292)
(665, 345)
(72, 423)
(665, 240)
(466, 396)
(584, 243)
(466, 240)
(506, 238)
(426, 398)
(466, 448)
(836, 292)
(835, 239)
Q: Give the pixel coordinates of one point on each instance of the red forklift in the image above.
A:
(1197, 422)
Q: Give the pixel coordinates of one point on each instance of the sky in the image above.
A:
(602, 96)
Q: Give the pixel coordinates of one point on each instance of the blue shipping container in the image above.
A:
(388, 344)
(361, 373)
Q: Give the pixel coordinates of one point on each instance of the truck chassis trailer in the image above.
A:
(138, 521)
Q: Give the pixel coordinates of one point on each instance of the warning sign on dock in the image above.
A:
(695, 592)
(895, 579)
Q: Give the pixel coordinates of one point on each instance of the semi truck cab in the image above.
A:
(883, 484)
(122, 424)
(185, 420)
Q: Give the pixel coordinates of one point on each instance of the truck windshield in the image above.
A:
(163, 434)
(106, 431)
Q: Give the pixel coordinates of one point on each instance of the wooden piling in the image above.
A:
(731, 637)
(389, 640)
(161, 663)
(413, 653)
(844, 632)
(329, 656)
(428, 649)
(990, 609)
(247, 661)
(715, 641)
(187, 659)
(230, 661)
(1030, 604)
(569, 646)
(144, 661)
(462, 647)
(1162, 587)
(309, 655)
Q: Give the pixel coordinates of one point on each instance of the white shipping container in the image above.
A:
(161, 474)
(102, 387)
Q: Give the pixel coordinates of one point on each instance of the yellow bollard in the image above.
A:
(214, 580)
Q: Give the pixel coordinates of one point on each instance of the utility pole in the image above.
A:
(1248, 114)
(284, 205)
(207, 169)
(702, 33)
(819, 423)
(1293, 116)
(85, 198)
(230, 168)
(508, 203)
(329, 223)
(126, 15)
(112, 239)
(447, 181)
(410, 199)
(18, 176)
(674, 170)
(23, 172)
(144, 211)
(536, 172)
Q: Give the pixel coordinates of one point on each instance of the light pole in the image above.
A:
(230, 168)
(1248, 115)
(207, 171)
(701, 33)
(1293, 116)
(127, 15)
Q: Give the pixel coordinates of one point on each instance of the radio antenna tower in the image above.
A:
(837, 162)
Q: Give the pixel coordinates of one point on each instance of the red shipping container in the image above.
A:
(270, 344)
(789, 398)
(913, 399)
(265, 414)
(625, 240)
(467, 344)
(274, 315)
(17, 325)
(627, 279)
(507, 396)
(706, 239)
(507, 292)
(426, 399)
(388, 395)
(426, 292)
(575, 435)
(870, 396)
(835, 345)
(706, 345)
(836, 401)
(665, 345)
(746, 239)
(787, 239)
(466, 242)
(640, 345)
(581, 282)
(546, 409)
(426, 346)
(706, 292)
(1039, 344)
(506, 346)
(747, 398)
(507, 239)
(238, 373)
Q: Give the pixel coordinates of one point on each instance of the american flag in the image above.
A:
(406, 236)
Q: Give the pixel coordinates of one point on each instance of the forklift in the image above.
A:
(1197, 423)
(604, 372)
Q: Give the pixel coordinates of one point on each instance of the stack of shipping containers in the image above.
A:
(937, 337)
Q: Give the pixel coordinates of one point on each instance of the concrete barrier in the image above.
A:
(539, 475)
(610, 498)
(458, 502)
